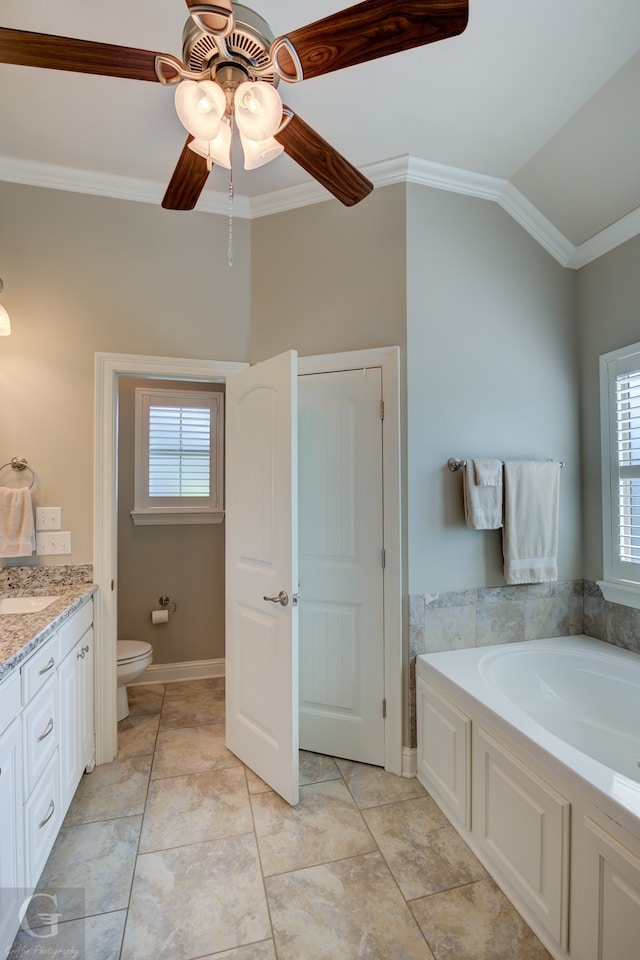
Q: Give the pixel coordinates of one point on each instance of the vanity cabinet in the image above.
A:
(75, 681)
(46, 742)
(11, 811)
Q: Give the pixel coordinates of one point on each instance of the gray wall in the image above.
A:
(609, 311)
(85, 274)
(183, 561)
(492, 370)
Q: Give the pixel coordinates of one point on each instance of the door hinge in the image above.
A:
(382, 409)
(383, 557)
(384, 709)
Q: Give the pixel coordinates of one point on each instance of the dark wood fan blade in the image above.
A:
(326, 165)
(211, 19)
(366, 31)
(80, 56)
(187, 181)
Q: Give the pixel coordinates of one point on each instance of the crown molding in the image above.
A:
(404, 169)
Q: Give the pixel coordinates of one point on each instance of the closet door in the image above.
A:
(262, 571)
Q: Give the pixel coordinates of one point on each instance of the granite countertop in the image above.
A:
(22, 633)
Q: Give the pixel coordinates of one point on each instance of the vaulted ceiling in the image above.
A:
(539, 98)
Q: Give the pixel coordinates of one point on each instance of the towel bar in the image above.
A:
(20, 463)
(455, 464)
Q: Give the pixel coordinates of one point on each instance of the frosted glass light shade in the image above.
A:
(259, 152)
(258, 109)
(218, 150)
(200, 106)
(5, 322)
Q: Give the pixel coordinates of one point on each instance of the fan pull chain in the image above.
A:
(230, 236)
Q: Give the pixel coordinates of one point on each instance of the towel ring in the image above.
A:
(20, 463)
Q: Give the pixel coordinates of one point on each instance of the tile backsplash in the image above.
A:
(490, 615)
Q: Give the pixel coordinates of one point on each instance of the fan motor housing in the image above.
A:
(248, 45)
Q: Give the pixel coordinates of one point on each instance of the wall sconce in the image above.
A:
(5, 322)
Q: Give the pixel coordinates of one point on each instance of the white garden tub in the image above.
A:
(533, 751)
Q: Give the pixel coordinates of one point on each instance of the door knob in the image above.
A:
(282, 598)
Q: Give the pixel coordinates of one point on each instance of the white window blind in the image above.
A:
(179, 456)
(620, 425)
(628, 450)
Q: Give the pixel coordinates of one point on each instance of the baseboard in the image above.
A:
(175, 672)
(409, 761)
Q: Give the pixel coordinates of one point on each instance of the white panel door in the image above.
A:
(261, 562)
(341, 573)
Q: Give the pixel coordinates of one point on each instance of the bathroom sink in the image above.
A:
(24, 604)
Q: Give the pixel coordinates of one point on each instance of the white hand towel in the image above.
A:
(17, 533)
(530, 536)
(482, 485)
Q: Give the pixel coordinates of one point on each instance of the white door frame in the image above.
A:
(109, 367)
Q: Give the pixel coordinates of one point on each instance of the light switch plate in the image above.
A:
(54, 542)
(48, 518)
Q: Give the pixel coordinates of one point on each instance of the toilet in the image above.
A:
(134, 656)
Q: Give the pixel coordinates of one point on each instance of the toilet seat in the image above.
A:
(130, 650)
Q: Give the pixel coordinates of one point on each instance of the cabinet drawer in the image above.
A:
(42, 821)
(75, 627)
(9, 699)
(40, 668)
(40, 734)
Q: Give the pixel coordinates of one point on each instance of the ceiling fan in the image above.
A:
(232, 65)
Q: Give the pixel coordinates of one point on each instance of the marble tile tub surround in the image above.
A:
(491, 615)
(183, 857)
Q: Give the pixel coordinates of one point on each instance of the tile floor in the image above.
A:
(176, 850)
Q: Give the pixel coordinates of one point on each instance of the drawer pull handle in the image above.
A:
(48, 667)
(50, 812)
(80, 654)
(45, 733)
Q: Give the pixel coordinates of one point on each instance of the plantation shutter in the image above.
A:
(179, 456)
(179, 451)
(628, 455)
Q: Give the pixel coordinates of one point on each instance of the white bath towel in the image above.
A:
(482, 484)
(17, 532)
(530, 535)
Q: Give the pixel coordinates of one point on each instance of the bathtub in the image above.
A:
(532, 750)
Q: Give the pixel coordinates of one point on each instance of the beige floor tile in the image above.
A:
(346, 910)
(145, 698)
(371, 786)
(255, 784)
(117, 789)
(423, 851)
(91, 866)
(196, 807)
(315, 767)
(326, 825)
(202, 702)
(137, 736)
(196, 900)
(191, 750)
(476, 922)
(96, 938)
(255, 951)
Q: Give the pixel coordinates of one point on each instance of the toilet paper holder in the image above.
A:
(166, 603)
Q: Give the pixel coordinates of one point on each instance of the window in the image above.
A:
(179, 454)
(620, 415)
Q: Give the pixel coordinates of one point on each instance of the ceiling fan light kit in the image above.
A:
(231, 66)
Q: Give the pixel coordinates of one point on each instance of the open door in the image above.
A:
(262, 571)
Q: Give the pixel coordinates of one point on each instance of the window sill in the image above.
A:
(626, 594)
(186, 515)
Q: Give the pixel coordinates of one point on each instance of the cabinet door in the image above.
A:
(444, 753)
(69, 680)
(11, 835)
(606, 894)
(87, 725)
(522, 825)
